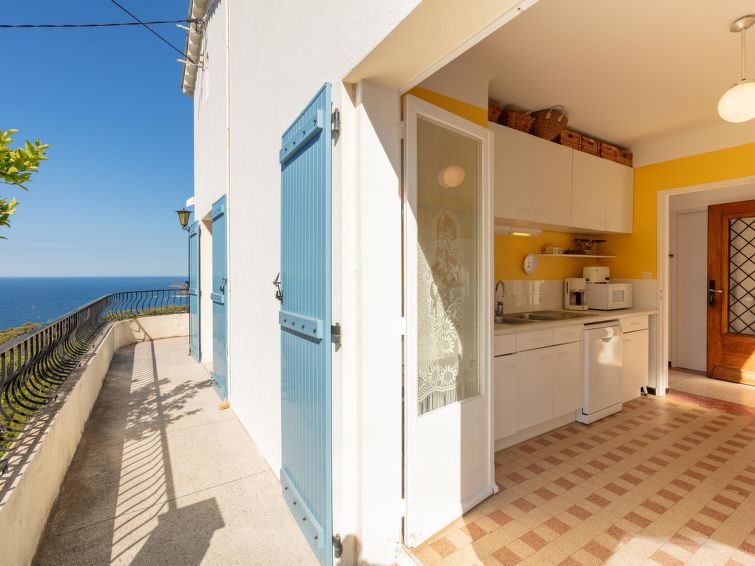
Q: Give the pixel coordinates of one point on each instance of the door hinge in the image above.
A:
(335, 121)
(402, 129)
(337, 546)
(402, 326)
(335, 334)
(402, 508)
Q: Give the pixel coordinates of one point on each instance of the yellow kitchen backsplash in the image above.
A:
(509, 253)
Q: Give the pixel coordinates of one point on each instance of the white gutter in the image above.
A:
(193, 45)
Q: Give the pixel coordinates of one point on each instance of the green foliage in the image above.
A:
(16, 168)
(10, 333)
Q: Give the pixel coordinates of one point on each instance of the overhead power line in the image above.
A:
(160, 37)
(97, 25)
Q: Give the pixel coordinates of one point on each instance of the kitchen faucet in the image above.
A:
(499, 304)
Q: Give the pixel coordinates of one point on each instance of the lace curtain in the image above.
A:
(448, 285)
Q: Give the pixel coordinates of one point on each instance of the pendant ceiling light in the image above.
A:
(738, 103)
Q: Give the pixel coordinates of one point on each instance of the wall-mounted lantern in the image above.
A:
(183, 217)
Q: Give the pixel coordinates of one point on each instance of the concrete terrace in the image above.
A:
(162, 476)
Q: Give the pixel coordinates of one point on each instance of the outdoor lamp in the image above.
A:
(183, 217)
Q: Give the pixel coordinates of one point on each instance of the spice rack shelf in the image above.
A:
(580, 256)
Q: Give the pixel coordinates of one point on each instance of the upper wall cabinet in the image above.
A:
(524, 188)
(601, 194)
(542, 182)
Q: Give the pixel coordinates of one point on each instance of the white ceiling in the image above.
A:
(629, 72)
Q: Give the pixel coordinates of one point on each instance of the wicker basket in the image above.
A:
(521, 121)
(494, 111)
(571, 139)
(608, 151)
(590, 145)
(549, 123)
(625, 157)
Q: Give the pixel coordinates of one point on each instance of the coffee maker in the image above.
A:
(575, 294)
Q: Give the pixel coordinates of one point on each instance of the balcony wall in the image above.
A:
(38, 465)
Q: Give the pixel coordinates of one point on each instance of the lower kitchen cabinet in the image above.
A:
(634, 371)
(504, 371)
(567, 378)
(534, 386)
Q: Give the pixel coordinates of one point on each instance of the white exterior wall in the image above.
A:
(211, 156)
(280, 54)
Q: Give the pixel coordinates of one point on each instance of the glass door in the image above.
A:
(448, 239)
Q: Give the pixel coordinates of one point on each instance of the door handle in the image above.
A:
(223, 284)
(712, 291)
(278, 290)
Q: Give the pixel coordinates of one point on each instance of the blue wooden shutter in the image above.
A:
(194, 344)
(219, 217)
(305, 319)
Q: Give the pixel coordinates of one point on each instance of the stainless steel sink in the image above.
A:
(511, 319)
(533, 316)
(541, 316)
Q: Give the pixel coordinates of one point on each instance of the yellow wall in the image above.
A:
(637, 252)
(464, 109)
(509, 253)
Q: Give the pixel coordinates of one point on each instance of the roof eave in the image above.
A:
(193, 45)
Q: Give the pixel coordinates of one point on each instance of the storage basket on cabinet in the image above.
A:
(549, 123)
(516, 119)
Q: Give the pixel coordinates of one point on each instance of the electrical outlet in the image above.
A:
(646, 275)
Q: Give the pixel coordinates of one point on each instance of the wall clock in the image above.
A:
(530, 263)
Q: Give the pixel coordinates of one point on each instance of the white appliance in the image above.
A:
(609, 296)
(603, 352)
(596, 274)
(575, 289)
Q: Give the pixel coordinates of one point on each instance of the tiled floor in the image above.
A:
(697, 384)
(669, 480)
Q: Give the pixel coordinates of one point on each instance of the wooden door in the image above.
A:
(731, 291)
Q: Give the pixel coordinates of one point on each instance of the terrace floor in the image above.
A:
(162, 476)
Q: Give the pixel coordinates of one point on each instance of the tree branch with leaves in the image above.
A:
(16, 168)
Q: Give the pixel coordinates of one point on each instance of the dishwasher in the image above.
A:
(602, 371)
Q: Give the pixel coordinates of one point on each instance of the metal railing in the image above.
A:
(35, 365)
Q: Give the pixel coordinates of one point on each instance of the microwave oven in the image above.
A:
(609, 296)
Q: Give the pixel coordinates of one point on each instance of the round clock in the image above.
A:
(530, 263)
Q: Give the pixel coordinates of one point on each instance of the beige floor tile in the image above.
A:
(708, 387)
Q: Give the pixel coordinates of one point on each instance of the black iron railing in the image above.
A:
(35, 365)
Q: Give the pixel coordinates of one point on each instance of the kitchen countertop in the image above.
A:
(593, 316)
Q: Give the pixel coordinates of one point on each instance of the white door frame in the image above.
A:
(416, 107)
(664, 273)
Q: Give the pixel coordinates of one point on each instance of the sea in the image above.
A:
(43, 299)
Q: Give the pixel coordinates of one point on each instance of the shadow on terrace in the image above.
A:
(161, 476)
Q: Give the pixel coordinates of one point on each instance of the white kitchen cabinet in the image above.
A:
(534, 387)
(532, 178)
(514, 154)
(505, 399)
(620, 199)
(588, 199)
(602, 194)
(567, 378)
(552, 184)
(634, 371)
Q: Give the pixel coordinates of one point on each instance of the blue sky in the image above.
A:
(110, 104)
